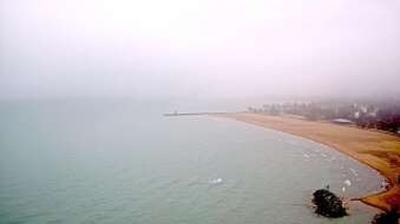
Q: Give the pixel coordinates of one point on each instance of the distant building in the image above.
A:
(357, 114)
(342, 121)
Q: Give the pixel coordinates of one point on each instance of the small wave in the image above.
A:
(354, 172)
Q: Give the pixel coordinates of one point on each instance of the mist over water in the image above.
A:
(121, 161)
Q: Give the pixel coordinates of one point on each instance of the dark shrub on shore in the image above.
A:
(391, 217)
(328, 204)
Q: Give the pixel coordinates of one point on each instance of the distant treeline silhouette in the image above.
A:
(382, 115)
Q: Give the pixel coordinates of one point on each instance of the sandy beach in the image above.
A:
(379, 150)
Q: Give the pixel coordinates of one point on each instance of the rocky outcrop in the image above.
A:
(328, 204)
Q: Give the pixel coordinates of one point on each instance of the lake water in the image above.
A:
(106, 161)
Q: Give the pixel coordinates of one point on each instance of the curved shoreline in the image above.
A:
(377, 150)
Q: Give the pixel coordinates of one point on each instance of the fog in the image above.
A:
(199, 49)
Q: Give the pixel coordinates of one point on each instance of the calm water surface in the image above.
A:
(123, 162)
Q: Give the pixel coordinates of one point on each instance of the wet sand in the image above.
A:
(379, 150)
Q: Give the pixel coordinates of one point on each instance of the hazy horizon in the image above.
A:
(199, 49)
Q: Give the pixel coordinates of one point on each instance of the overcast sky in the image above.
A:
(205, 48)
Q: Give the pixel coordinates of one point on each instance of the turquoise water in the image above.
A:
(105, 161)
